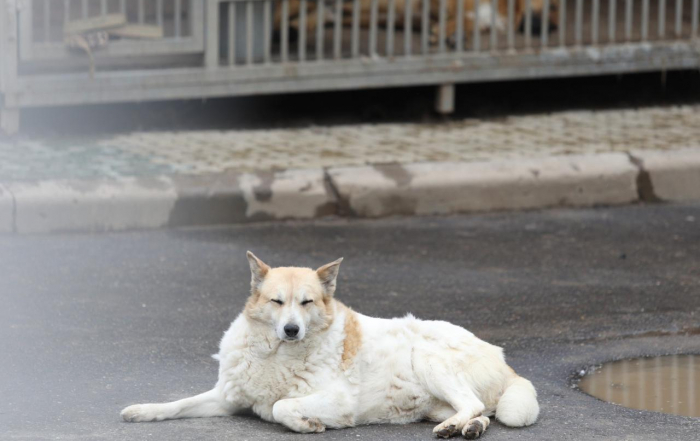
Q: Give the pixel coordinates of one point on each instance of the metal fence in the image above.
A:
(43, 23)
(204, 48)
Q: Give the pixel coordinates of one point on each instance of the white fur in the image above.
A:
(518, 405)
(485, 12)
(405, 370)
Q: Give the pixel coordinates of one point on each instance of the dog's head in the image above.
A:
(295, 302)
(538, 14)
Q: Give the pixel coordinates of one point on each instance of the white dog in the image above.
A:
(298, 357)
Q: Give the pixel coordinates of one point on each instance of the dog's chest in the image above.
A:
(259, 379)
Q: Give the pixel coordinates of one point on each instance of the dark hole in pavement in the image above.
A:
(668, 384)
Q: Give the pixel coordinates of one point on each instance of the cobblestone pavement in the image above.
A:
(198, 152)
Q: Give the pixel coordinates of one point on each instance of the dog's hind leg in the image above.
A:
(451, 387)
(208, 404)
(468, 416)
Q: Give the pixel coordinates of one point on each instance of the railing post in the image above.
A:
(9, 111)
(445, 99)
(211, 35)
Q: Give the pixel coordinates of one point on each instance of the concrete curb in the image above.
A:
(226, 198)
(669, 176)
(165, 201)
(6, 210)
(367, 191)
(443, 188)
(55, 206)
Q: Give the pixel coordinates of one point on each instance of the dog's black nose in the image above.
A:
(291, 330)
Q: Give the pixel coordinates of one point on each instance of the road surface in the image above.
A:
(92, 323)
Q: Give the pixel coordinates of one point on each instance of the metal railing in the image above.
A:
(43, 22)
(358, 29)
(237, 47)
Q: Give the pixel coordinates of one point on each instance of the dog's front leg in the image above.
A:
(208, 404)
(331, 408)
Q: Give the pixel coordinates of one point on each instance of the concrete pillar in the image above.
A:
(445, 99)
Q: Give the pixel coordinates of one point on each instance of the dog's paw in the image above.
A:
(447, 432)
(314, 425)
(287, 412)
(449, 428)
(139, 413)
(475, 428)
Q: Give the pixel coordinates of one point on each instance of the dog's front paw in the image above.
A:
(313, 425)
(287, 412)
(450, 427)
(447, 432)
(139, 413)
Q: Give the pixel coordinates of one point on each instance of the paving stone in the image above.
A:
(209, 151)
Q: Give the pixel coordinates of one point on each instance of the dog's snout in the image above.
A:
(291, 330)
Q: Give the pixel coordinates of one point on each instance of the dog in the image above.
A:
(473, 9)
(485, 13)
(299, 357)
(539, 15)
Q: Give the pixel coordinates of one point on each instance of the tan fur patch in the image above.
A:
(250, 309)
(327, 312)
(353, 338)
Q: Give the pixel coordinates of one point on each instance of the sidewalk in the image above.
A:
(161, 179)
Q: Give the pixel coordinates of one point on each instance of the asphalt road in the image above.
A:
(92, 323)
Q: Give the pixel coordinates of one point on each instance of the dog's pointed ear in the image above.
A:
(327, 274)
(258, 270)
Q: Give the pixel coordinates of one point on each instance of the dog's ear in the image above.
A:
(258, 270)
(327, 274)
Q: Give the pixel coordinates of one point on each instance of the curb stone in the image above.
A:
(104, 205)
(6, 210)
(167, 201)
(231, 197)
(289, 194)
(444, 188)
(673, 176)
(365, 191)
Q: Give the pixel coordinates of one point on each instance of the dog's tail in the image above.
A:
(518, 405)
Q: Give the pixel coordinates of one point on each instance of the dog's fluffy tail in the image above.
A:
(518, 405)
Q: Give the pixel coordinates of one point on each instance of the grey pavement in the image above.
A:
(92, 323)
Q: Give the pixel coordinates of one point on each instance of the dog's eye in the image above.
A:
(279, 302)
(306, 302)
